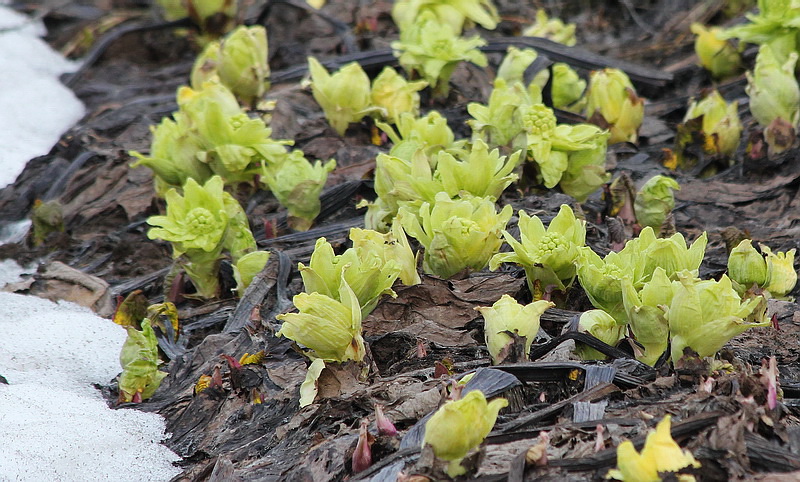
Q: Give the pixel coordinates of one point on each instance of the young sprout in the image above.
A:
(344, 96)
(602, 326)
(395, 95)
(457, 233)
(460, 426)
(721, 126)
(648, 322)
(716, 54)
(612, 102)
(655, 200)
(554, 29)
(507, 317)
(499, 122)
(548, 255)
(140, 377)
(452, 12)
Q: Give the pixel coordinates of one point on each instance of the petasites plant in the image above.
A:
(547, 255)
(500, 121)
(551, 28)
(716, 54)
(612, 103)
(297, 184)
(602, 326)
(329, 329)
(660, 455)
(506, 318)
(199, 225)
(648, 322)
(720, 123)
(214, 17)
(240, 63)
(452, 12)
(344, 95)
(395, 95)
(140, 377)
(429, 133)
(433, 50)
(457, 233)
(247, 267)
(773, 272)
(705, 314)
(460, 426)
(655, 201)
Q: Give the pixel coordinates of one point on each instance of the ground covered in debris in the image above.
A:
(430, 332)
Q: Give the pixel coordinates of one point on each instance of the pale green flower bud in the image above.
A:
(429, 133)
(206, 66)
(706, 314)
(773, 88)
(140, 377)
(243, 66)
(716, 54)
(330, 329)
(655, 200)
(395, 95)
(548, 255)
(460, 426)
(343, 96)
(602, 278)
(567, 87)
(602, 326)
(586, 168)
(507, 316)
(612, 102)
(247, 268)
(297, 184)
(516, 61)
(746, 266)
(554, 29)
(500, 121)
(457, 234)
(781, 275)
(722, 128)
(453, 12)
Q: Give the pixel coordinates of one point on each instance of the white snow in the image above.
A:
(36, 107)
(53, 423)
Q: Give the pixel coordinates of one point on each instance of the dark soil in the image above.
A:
(431, 331)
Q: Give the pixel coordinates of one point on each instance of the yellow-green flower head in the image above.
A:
(660, 455)
(602, 326)
(781, 275)
(611, 96)
(672, 254)
(500, 121)
(395, 95)
(539, 119)
(343, 96)
(243, 66)
(586, 171)
(773, 89)
(705, 314)
(452, 12)
(460, 426)
(716, 54)
(434, 49)
(601, 279)
(721, 125)
(567, 88)
(554, 29)
(548, 255)
(747, 266)
(655, 200)
(506, 315)
(457, 233)
(297, 184)
(196, 220)
(430, 133)
(330, 329)
(648, 323)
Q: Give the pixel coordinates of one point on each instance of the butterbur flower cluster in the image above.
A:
(429, 133)
(506, 317)
(433, 49)
(602, 326)
(201, 224)
(499, 122)
(655, 201)
(460, 426)
(457, 233)
(775, 19)
(660, 455)
(452, 12)
(344, 95)
(720, 123)
(214, 17)
(395, 95)
(247, 267)
(297, 184)
(773, 272)
(140, 377)
(239, 61)
(571, 156)
(612, 102)
(551, 28)
(547, 255)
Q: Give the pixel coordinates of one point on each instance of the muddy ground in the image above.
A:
(430, 332)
